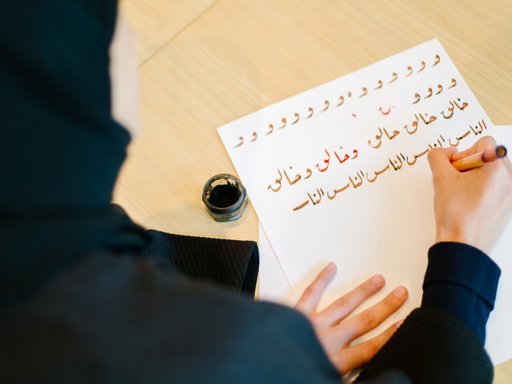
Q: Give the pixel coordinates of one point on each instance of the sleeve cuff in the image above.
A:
(463, 265)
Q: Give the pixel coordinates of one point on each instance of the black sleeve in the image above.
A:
(433, 347)
(231, 264)
(118, 319)
(442, 341)
(461, 281)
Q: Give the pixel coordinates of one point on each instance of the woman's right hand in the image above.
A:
(471, 207)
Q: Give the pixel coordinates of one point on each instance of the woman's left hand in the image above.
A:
(336, 331)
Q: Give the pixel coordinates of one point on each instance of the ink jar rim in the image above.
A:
(231, 212)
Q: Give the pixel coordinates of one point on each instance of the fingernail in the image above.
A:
(400, 292)
(399, 323)
(377, 279)
(331, 266)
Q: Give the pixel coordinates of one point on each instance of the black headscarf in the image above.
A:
(60, 149)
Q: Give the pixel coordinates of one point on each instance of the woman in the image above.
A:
(79, 303)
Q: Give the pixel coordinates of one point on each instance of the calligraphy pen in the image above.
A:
(479, 159)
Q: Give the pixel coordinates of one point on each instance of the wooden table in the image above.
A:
(204, 63)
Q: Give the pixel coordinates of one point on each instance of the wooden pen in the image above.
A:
(479, 159)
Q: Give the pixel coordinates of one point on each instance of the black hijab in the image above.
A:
(60, 149)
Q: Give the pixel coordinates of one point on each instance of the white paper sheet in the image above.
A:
(272, 282)
(274, 286)
(340, 173)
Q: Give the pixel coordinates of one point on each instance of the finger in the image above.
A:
(310, 299)
(346, 304)
(486, 142)
(355, 357)
(370, 318)
(440, 162)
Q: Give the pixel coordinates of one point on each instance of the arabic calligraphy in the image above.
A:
(393, 164)
(341, 100)
(378, 137)
(430, 92)
(425, 118)
(321, 167)
(476, 130)
(381, 110)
